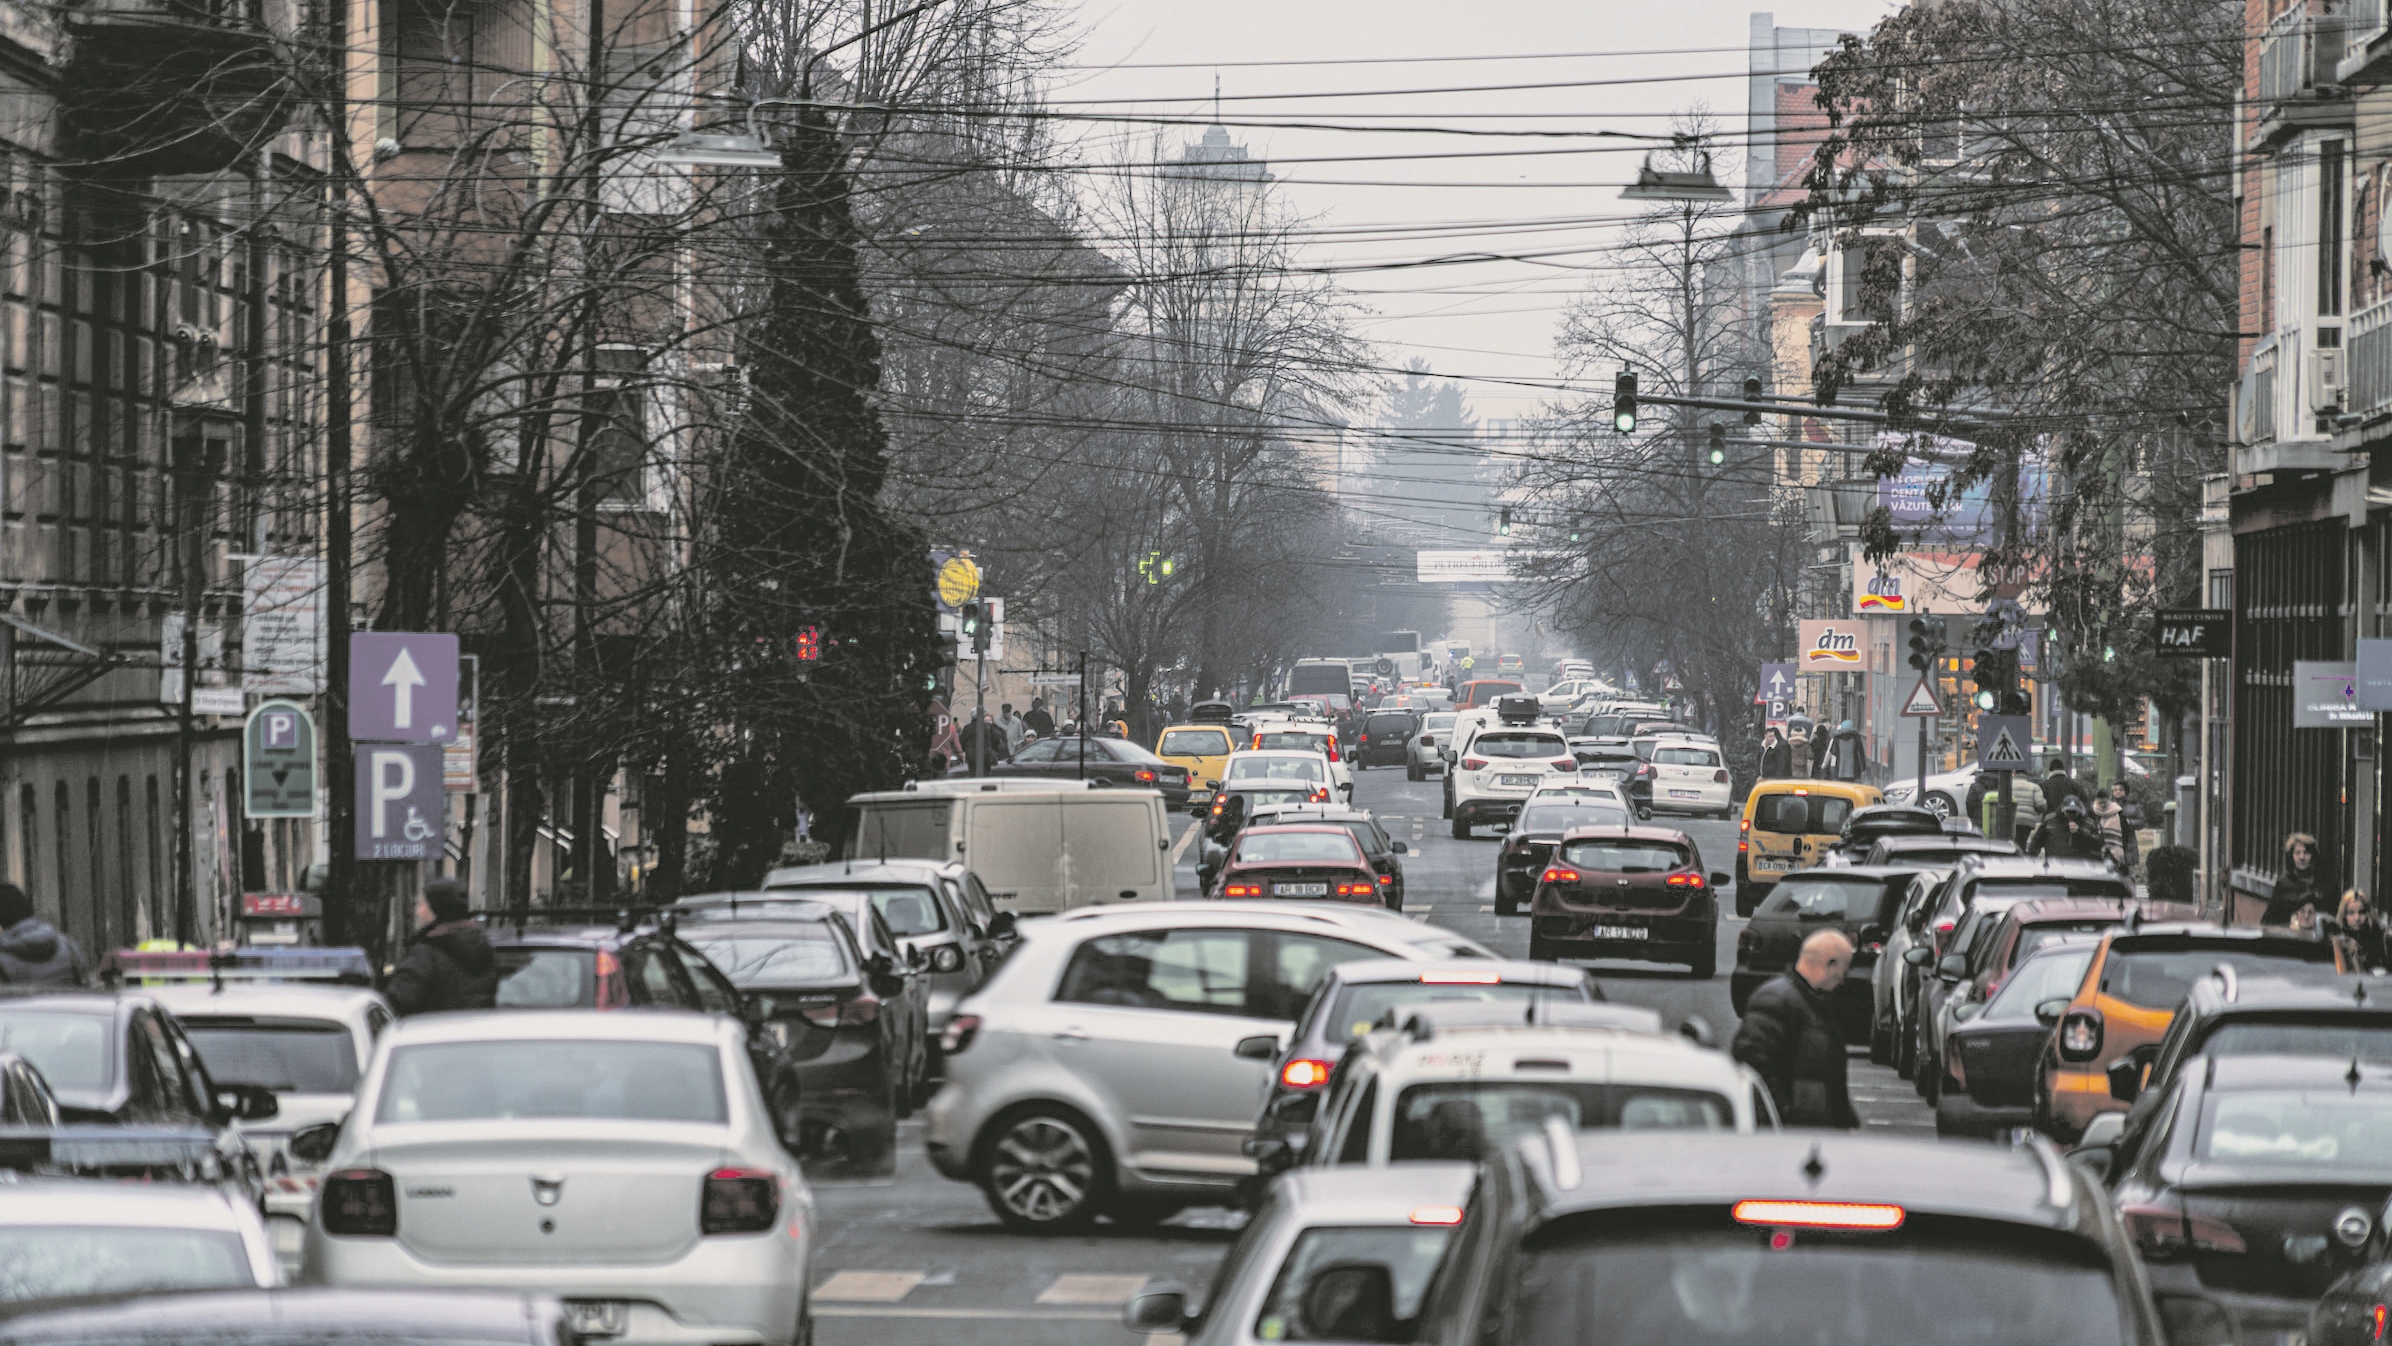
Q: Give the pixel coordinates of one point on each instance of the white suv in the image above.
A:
(1688, 775)
(1498, 768)
(1116, 1061)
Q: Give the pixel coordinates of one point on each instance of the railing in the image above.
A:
(2371, 358)
(2299, 53)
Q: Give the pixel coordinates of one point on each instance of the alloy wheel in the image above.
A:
(1042, 1171)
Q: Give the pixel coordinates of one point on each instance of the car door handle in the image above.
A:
(1070, 1034)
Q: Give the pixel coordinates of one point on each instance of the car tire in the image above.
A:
(1644, 813)
(1505, 903)
(1044, 1169)
(1461, 828)
(1881, 1042)
(1414, 773)
(1940, 804)
(1705, 965)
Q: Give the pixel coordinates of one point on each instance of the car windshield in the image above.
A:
(1558, 818)
(793, 955)
(1473, 1119)
(2054, 975)
(1360, 1007)
(1623, 856)
(2337, 1130)
(1282, 848)
(2160, 978)
(515, 1079)
(1685, 757)
(1698, 1280)
(2346, 1041)
(1820, 898)
(1801, 815)
(1409, 1252)
(69, 1261)
(535, 978)
(72, 1050)
(1519, 745)
(287, 1056)
(1194, 743)
(1278, 768)
(1390, 726)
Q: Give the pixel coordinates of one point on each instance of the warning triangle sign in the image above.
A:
(1921, 701)
(2004, 751)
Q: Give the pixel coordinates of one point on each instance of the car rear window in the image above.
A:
(805, 955)
(1520, 745)
(1278, 848)
(1278, 768)
(288, 1056)
(1563, 817)
(1685, 757)
(1801, 815)
(2055, 975)
(1825, 899)
(1624, 856)
(1290, 740)
(2266, 1037)
(530, 977)
(2160, 978)
(1473, 1119)
(1360, 1007)
(1194, 743)
(2337, 1130)
(909, 910)
(1392, 726)
(73, 1261)
(72, 1051)
(2036, 936)
(515, 1079)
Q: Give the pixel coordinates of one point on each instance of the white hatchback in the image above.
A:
(1689, 776)
(1282, 768)
(623, 1162)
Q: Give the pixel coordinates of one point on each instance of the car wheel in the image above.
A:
(1505, 903)
(1922, 1064)
(1939, 804)
(1706, 963)
(1644, 813)
(1044, 1169)
(1881, 1042)
(803, 1333)
(1461, 828)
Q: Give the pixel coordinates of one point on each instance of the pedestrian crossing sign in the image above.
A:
(2003, 742)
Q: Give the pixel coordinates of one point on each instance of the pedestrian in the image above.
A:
(2069, 834)
(449, 966)
(1789, 1036)
(1847, 758)
(32, 951)
(1039, 722)
(1777, 756)
(1822, 738)
(984, 743)
(1014, 728)
(2059, 785)
(2109, 819)
(2300, 891)
(2361, 933)
(1798, 741)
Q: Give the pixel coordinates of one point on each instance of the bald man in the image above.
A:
(1789, 1036)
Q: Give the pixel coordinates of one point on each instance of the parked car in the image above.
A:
(1894, 981)
(1993, 1048)
(939, 910)
(1627, 892)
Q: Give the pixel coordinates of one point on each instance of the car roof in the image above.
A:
(1615, 1169)
(74, 999)
(861, 873)
(1285, 829)
(1897, 842)
(278, 999)
(2236, 1073)
(96, 1201)
(1304, 754)
(1826, 873)
(1840, 789)
(626, 1025)
(1986, 865)
(2276, 992)
(578, 936)
(2035, 911)
(1350, 1194)
(1318, 916)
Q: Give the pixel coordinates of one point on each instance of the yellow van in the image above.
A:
(1204, 750)
(1787, 824)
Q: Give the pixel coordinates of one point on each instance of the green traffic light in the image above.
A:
(1985, 699)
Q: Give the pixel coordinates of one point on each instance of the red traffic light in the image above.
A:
(809, 644)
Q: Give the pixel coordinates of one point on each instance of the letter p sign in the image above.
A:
(402, 811)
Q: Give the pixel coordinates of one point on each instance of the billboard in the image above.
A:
(1464, 567)
(1832, 645)
(1969, 517)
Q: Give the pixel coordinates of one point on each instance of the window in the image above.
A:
(1299, 963)
(1363, 1115)
(63, 804)
(652, 978)
(1519, 746)
(1278, 768)
(1291, 848)
(1801, 815)
(714, 995)
(1199, 970)
(514, 1079)
(104, 916)
(1045, 750)
(2038, 980)
(789, 956)
(1362, 1006)
(2317, 1129)
(2329, 229)
(305, 1056)
(1624, 856)
(1541, 818)
(29, 834)
(1823, 901)
(1195, 743)
(1472, 1119)
(72, 1051)
(76, 1261)
(530, 978)
(1410, 1254)
(2161, 978)
(1685, 757)
(157, 1055)
(910, 911)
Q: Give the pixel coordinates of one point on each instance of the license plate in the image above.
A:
(1515, 780)
(596, 1317)
(1685, 794)
(1200, 796)
(1299, 890)
(1622, 932)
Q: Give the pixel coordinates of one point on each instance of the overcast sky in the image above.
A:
(1625, 68)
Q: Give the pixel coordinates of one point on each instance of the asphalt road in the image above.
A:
(918, 1260)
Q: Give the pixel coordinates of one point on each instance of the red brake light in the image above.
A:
(959, 1033)
(1565, 764)
(1144, 776)
(1720, 776)
(1320, 794)
(1357, 889)
(1684, 881)
(1820, 1214)
(1242, 890)
(1557, 874)
(1474, 764)
(1304, 1074)
(2378, 1317)
(739, 1201)
(360, 1203)
(2162, 1229)
(862, 1009)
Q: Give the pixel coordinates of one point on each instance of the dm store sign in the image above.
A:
(1881, 594)
(1830, 646)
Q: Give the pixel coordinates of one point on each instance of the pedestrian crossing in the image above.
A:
(858, 1292)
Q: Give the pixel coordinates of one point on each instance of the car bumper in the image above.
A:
(730, 1290)
(2077, 1097)
(1489, 808)
(1956, 1114)
(1708, 799)
(1669, 939)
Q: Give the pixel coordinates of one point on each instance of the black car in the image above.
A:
(1862, 903)
(1995, 1050)
(1114, 762)
(812, 992)
(1941, 851)
(1383, 851)
(1535, 833)
(1863, 826)
(1692, 1237)
(2262, 1183)
(1384, 738)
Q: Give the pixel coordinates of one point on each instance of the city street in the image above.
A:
(915, 1260)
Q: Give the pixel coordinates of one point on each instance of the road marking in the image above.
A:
(1486, 906)
(1091, 1289)
(1486, 889)
(883, 1287)
(1008, 1315)
(1184, 838)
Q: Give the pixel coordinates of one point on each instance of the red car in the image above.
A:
(1321, 863)
(1627, 892)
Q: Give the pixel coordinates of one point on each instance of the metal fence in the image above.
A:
(2289, 597)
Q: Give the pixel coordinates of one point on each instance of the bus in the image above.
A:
(1322, 677)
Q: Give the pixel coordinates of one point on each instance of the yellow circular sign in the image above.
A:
(1468, 662)
(959, 581)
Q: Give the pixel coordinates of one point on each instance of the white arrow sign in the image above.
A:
(403, 678)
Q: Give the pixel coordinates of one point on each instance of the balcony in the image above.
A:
(2299, 63)
(2371, 360)
(169, 87)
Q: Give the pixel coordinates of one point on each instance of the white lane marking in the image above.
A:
(1486, 889)
(1486, 906)
(881, 1287)
(1184, 838)
(1091, 1289)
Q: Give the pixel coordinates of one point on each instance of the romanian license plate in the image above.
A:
(1299, 890)
(1622, 932)
(1200, 796)
(596, 1317)
(1515, 780)
(1685, 794)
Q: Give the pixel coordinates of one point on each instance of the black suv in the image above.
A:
(1385, 739)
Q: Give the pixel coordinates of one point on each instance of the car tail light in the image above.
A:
(862, 1009)
(1820, 1214)
(1143, 776)
(1257, 743)
(1474, 764)
(1720, 777)
(1565, 764)
(1220, 801)
(1558, 874)
(1320, 794)
(959, 1033)
(1357, 889)
(2080, 1035)
(2378, 1319)
(1242, 890)
(1684, 881)
(2162, 1229)
(739, 1201)
(360, 1203)
(612, 992)
(1437, 1215)
(1303, 1073)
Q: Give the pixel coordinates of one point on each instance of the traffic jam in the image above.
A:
(1226, 1020)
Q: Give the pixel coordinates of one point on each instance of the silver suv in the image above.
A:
(1115, 1062)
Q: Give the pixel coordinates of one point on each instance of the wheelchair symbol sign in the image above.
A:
(401, 805)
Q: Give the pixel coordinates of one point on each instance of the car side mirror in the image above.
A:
(1720, 879)
(1917, 955)
(2094, 1159)
(1260, 1047)
(1402, 849)
(2188, 1319)
(1953, 967)
(2048, 1012)
(1697, 1030)
(1964, 1012)
(914, 956)
(2126, 1079)
(313, 1144)
(246, 1102)
(1155, 1311)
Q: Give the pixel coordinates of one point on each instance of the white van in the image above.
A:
(1038, 851)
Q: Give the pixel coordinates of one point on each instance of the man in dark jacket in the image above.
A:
(32, 951)
(2300, 896)
(2058, 785)
(1789, 1037)
(2069, 834)
(449, 966)
(1777, 756)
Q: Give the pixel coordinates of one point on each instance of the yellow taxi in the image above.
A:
(1787, 825)
(1204, 750)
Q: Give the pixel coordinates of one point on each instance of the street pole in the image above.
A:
(1921, 796)
(1083, 715)
(342, 922)
(2201, 866)
(980, 722)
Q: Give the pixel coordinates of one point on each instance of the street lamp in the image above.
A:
(1694, 185)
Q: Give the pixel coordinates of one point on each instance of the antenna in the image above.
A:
(1216, 97)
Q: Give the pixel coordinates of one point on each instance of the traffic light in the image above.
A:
(1752, 393)
(1988, 677)
(970, 620)
(1504, 525)
(1718, 452)
(1623, 402)
(809, 644)
(1925, 643)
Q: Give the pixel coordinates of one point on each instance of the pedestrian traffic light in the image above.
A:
(1752, 393)
(968, 621)
(809, 644)
(1718, 452)
(1504, 524)
(1623, 402)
